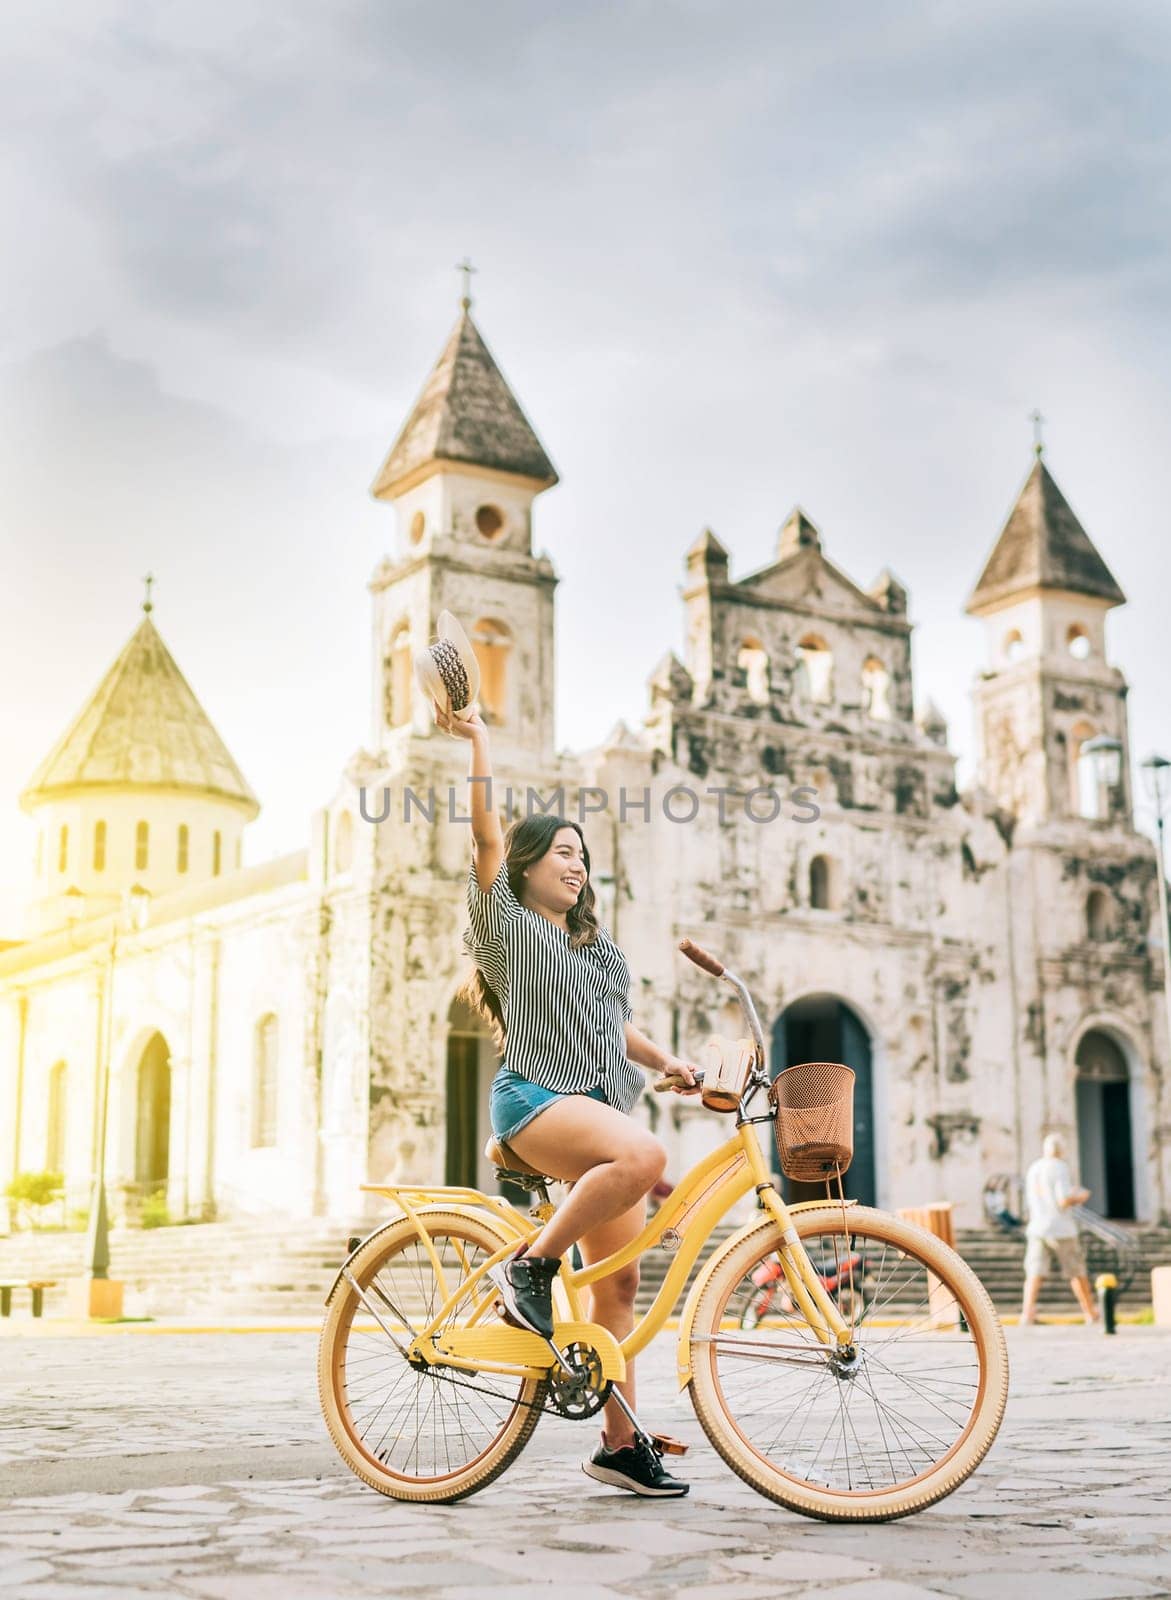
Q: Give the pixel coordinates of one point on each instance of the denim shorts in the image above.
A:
(515, 1101)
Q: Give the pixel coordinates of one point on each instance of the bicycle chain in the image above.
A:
(445, 1373)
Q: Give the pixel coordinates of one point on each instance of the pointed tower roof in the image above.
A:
(797, 533)
(466, 415)
(142, 728)
(1043, 546)
(707, 545)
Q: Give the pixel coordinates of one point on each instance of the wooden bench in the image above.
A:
(35, 1286)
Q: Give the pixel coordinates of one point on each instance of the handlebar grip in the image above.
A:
(696, 953)
(669, 1080)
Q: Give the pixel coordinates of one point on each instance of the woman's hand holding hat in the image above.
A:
(459, 727)
(448, 672)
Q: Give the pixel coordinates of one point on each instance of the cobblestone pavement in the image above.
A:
(197, 1465)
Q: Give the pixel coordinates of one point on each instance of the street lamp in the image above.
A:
(1105, 753)
(1156, 771)
(107, 1301)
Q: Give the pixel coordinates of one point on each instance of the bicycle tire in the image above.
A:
(878, 1234)
(498, 1452)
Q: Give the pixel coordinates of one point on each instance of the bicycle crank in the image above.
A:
(578, 1387)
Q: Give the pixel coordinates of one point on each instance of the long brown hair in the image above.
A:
(526, 841)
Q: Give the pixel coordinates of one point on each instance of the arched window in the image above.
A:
(876, 689)
(824, 884)
(99, 846)
(217, 853)
(752, 661)
(1077, 642)
(184, 838)
(58, 1111)
(492, 642)
(63, 848)
(1014, 645)
(1090, 795)
(141, 845)
(343, 843)
(1099, 916)
(264, 1083)
(815, 664)
(399, 673)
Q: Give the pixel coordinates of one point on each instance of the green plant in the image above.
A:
(35, 1188)
(154, 1211)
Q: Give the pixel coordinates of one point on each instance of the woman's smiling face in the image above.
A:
(554, 881)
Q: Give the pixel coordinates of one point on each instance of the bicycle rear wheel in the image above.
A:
(434, 1433)
(881, 1434)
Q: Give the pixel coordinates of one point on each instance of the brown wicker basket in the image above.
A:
(813, 1113)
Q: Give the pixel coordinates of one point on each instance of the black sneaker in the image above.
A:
(526, 1287)
(638, 1467)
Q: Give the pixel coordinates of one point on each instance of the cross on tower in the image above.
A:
(465, 266)
(1037, 420)
(147, 604)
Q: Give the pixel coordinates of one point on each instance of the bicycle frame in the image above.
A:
(694, 1206)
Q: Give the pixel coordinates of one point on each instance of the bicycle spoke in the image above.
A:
(422, 1423)
(868, 1419)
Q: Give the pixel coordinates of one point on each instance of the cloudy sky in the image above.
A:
(731, 258)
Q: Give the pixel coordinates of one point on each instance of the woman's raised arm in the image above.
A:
(487, 834)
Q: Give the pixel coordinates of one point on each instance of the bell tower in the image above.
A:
(462, 477)
(1048, 687)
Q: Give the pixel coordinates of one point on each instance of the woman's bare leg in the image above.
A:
(614, 1161)
(612, 1304)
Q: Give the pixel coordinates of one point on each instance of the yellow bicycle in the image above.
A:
(850, 1407)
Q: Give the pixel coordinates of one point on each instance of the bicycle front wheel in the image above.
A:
(432, 1433)
(884, 1431)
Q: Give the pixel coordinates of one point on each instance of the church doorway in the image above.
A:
(152, 1144)
(1105, 1145)
(471, 1066)
(824, 1028)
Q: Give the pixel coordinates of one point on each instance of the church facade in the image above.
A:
(268, 1038)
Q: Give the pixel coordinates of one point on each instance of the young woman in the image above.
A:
(554, 987)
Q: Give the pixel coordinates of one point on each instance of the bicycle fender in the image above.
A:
(394, 1222)
(357, 1250)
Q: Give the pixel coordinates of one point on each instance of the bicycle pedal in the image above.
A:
(666, 1446)
(505, 1315)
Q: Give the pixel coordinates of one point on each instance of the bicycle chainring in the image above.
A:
(586, 1392)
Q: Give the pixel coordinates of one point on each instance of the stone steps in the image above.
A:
(244, 1268)
(284, 1268)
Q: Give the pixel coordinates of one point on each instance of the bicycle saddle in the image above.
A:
(505, 1159)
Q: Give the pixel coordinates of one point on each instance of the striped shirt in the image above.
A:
(564, 1009)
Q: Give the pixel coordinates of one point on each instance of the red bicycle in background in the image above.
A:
(844, 1280)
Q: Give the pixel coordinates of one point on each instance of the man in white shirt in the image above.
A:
(1049, 1198)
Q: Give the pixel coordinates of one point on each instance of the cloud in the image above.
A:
(730, 259)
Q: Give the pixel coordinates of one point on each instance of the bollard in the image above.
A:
(1107, 1285)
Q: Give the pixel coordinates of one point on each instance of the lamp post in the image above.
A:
(1156, 771)
(101, 1297)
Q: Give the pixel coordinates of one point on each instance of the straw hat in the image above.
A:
(447, 671)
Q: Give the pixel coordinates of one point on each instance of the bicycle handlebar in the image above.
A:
(700, 956)
(669, 1079)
